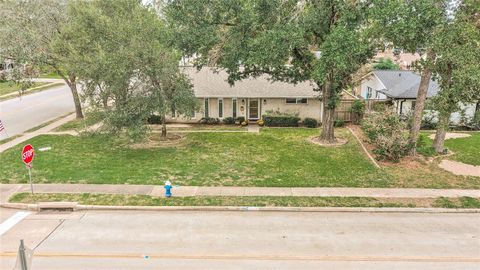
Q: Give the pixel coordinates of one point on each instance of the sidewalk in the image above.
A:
(6, 190)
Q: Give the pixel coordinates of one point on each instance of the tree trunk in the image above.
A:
(72, 83)
(439, 140)
(420, 104)
(328, 117)
(164, 128)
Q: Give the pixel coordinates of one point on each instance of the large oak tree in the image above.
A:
(322, 41)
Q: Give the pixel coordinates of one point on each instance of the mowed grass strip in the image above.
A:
(10, 87)
(275, 157)
(267, 201)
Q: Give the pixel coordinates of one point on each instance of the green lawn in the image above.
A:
(269, 201)
(276, 157)
(467, 150)
(10, 87)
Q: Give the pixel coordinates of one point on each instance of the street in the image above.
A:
(23, 113)
(244, 240)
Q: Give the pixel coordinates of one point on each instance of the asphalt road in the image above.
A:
(23, 113)
(245, 240)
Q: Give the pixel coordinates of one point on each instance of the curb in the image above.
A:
(79, 207)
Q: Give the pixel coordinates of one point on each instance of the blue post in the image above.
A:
(168, 187)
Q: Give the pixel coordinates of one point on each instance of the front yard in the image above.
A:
(10, 87)
(276, 157)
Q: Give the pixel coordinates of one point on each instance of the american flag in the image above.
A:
(1, 126)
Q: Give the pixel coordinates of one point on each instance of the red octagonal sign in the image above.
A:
(27, 154)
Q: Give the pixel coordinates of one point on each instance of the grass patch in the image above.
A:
(11, 138)
(10, 87)
(79, 124)
(275, 157)
(269, 201)
(466, 149)
(145, 200)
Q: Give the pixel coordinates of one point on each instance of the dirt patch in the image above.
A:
(154, 140)
(451, 135)
(316, 140)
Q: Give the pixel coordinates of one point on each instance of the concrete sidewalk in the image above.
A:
(6, 190)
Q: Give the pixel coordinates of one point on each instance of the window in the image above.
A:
(234, 107)
(206, 107)
(173, 112)
(369, 92)
(296, 100)
(220, 108)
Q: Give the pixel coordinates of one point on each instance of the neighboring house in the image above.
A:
(6, 66)
(251, 98)
(404, 60)
(401, 88)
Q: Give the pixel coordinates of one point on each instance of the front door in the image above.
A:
(253, 109)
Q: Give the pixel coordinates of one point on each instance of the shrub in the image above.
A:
(429, 121)
(281, 120)
(357, 109)
(209, 121)
(260, 122)
(310, 122)
(229, 120)
(240, 119)
(154, 119)
(387, 133)
(339, 123)
(243, 123)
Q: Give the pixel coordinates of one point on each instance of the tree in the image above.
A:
(411, 26)
(27, 29)
(457, 68)
(323, 42)
(121, 51)
(386, 64)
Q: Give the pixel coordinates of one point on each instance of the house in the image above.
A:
(251, 98)
(401, 88)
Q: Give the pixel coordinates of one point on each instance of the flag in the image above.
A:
(1, 126)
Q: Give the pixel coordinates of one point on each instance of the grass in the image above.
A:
(79, 124)
(466, 149)
(145, 200)
(10, 87)
(275, 157)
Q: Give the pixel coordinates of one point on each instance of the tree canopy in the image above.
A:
(122, 53)
(323, 42)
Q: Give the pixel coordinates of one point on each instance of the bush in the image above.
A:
(310, 122)
(209, 121)
(154, 119)
(429, 121)
(387, 133)
(260, 122)
(339, 123)
(281, 120)
(240, 119)
(357, 109)
(229, 120)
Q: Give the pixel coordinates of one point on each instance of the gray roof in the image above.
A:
(210, 83)
(403, 84)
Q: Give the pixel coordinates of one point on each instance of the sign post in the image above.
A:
(27, 156)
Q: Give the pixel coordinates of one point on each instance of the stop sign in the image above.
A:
(27, 154)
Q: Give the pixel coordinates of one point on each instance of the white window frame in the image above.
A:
(220, 100)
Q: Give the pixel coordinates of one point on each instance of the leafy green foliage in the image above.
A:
(121, 51)
(310, 122)
(358, 109)
(280, 120)
(386, 64)
(324, 42)
(210, 121)
(387, 133)
(229, 120)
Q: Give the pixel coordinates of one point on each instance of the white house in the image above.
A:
(252, 97)
(401, 88)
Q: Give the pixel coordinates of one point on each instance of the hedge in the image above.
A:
(281, 121)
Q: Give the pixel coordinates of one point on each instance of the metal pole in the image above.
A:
(30, 176)
(23, 258)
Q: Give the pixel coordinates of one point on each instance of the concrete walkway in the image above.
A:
(43, 130)
(6, 190)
